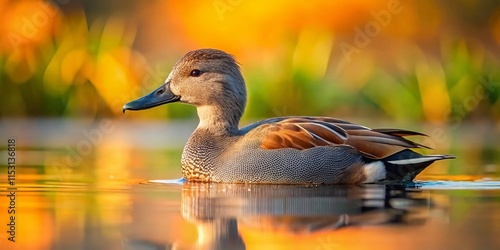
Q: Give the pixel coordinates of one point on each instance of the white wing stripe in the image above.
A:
(417, 160)
(343, 137)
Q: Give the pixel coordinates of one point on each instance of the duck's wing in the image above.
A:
(301, 133)
(308, 132)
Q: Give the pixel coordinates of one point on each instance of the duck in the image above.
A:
(279, 150)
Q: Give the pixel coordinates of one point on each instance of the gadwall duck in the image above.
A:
(284, 150)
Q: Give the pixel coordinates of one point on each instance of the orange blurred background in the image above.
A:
(403, 60)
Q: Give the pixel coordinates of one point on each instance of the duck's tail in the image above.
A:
(405, 165)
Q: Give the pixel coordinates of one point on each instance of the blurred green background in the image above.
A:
(408, 60)
(377, 62)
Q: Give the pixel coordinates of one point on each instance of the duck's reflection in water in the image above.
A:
(218, 210)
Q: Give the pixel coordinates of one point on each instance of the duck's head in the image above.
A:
(205, 78)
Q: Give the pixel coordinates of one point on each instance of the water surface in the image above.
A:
(125, 193)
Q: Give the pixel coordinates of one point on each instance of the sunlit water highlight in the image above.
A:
(170, 213)
(460, 185)
(126, 194)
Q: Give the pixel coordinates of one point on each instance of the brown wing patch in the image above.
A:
(302, 134)
(308, 132)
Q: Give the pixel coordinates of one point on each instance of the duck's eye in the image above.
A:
(195, 72)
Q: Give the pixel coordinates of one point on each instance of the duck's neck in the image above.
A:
(218, 121)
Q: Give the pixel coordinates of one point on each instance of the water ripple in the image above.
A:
(462, 185)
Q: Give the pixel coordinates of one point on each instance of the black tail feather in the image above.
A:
(405, 165)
